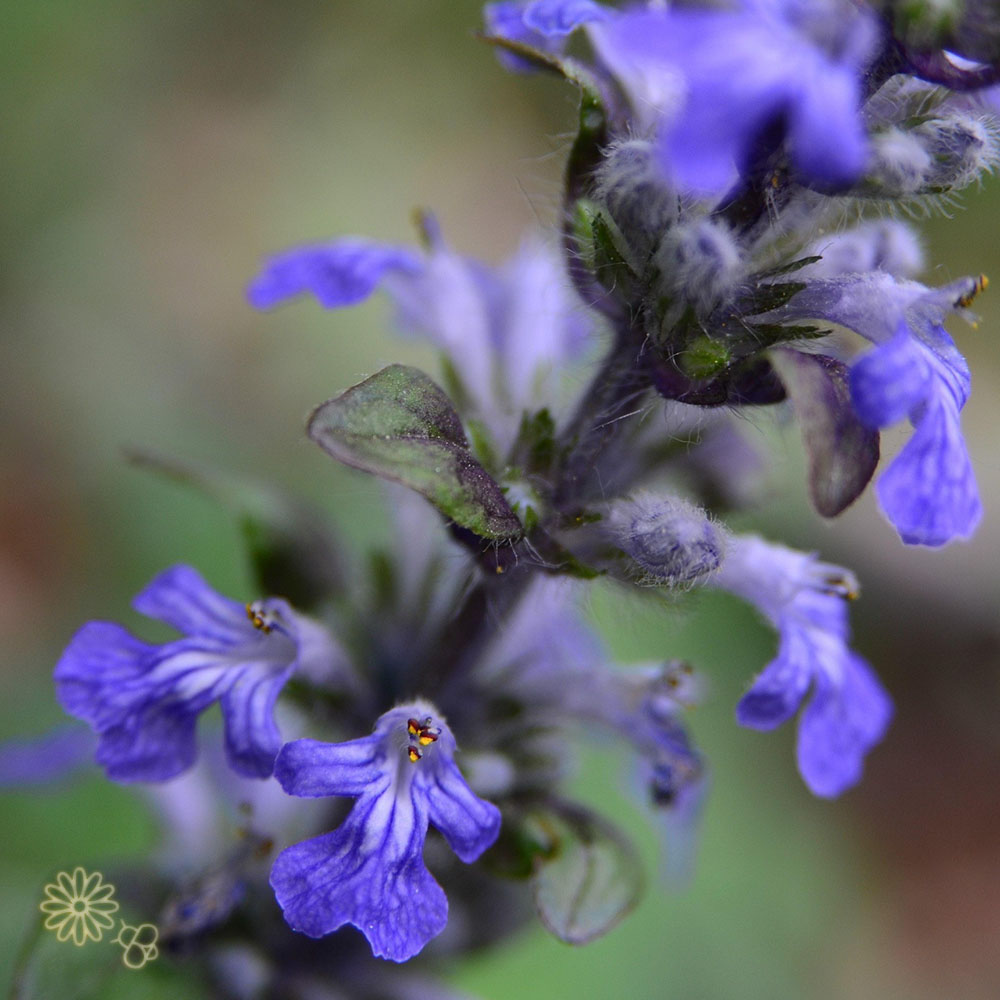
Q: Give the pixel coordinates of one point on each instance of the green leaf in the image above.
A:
(292, 549)
(842, 452)
(535, 447)
(764, 298)
(400, 425)
(587, 875)
(789, 268)
(765, 335)
(610, 267)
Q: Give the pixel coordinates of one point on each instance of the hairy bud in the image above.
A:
(631, 185)
(942, 154)
(962, 147)
(700, 263)
(671, 541)
(900, 165)
(884, 245)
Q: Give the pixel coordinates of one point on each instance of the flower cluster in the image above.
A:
(701, 253)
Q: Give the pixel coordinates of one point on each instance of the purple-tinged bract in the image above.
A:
(370, 871)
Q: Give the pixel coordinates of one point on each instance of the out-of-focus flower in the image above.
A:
(542, 24)
(714, 81)
(46, 758)
(506, 331)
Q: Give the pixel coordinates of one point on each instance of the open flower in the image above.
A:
(805, 601)
(79, 906)
(506, 331)
(542, 24)
(144, 700)
(370, 871)
(715, 81)
(929, 490)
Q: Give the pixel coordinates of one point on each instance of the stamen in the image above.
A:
(842, 586)
(423, 733)
(262, 617)
(677, 673)
(979, 284)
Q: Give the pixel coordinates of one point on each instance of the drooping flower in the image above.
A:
(929, 490)
(553, 664)
(647, 709)
(715, 80)
(805, 600)
(143, 700)
(370, 871)
(506, 331)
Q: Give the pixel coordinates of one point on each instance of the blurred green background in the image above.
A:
(154, 153)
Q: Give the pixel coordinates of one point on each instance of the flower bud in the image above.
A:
(942, 154)
(671, 541)
(700, 263)
(900, 165)
(631, 185)
(962, 146)
(884, 245)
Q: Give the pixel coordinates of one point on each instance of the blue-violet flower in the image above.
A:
(805, 601)
(370, 871)
(929, 490)
(716, 80)
(143, 700)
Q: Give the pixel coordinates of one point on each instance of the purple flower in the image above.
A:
(370, 871)
(506, 331)
(716, 80)
(44, 759)
(650, 703)
(143, 700)
(542, 24)
(552, 662)
(929, 490)
(338, 274)
(805, 601)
